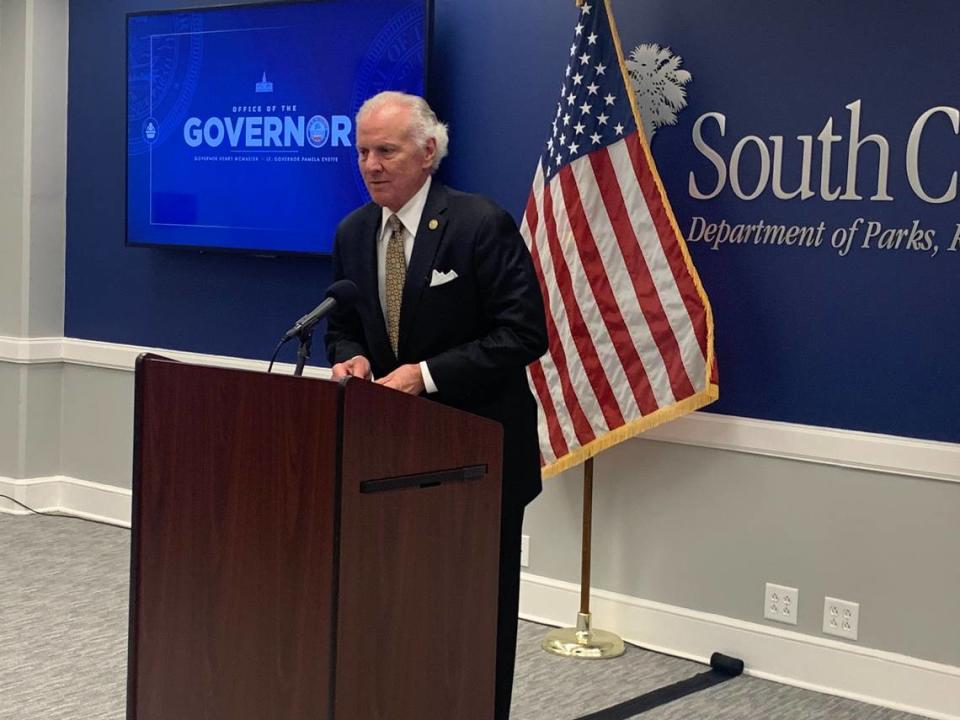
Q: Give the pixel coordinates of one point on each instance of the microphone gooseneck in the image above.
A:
(342, 294)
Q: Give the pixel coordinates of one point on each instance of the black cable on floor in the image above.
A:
(59, 515)
(722, 668)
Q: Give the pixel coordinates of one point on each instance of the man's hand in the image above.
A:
(406, 378)
(357, 366)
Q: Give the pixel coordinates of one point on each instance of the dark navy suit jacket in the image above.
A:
(477, 332)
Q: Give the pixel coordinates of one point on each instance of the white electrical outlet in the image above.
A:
(524, 551)
(841, 618)
(780, 603)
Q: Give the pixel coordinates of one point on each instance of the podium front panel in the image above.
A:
(419, 557)
(232, 606)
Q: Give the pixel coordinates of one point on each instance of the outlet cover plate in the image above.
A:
(780, 603)
(841, 618)
(524, 551)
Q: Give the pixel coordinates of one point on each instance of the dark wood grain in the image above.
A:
(265, 584)
(232, 573)
(418, 566)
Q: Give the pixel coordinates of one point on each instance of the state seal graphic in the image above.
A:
(163, 70)
(393, 61)
(318, 131)
(658, 82)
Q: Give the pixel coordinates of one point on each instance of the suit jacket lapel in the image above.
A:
(433, 222)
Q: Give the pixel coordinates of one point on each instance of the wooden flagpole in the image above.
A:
(586, 545)
(583, 641)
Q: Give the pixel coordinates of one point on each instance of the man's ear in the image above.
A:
(430, 151)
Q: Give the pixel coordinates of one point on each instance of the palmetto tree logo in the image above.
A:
(658, 84)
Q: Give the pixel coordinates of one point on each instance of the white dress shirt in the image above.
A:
(409, 216)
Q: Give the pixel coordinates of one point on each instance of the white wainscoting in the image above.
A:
(836, 668)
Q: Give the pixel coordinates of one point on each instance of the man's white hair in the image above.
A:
(425, 124)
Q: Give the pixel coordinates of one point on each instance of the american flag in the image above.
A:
(630, 326)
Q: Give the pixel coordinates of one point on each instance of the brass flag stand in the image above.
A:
(583, 641)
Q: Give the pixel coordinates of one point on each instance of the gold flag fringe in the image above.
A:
(630, 430)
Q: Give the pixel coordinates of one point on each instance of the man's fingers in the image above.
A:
(405, 378)
(355, 367)
(360, 368)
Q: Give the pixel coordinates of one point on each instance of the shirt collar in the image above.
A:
(410, 213)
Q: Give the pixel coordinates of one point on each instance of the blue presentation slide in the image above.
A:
(240, 119)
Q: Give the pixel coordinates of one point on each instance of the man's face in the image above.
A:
(393, 165)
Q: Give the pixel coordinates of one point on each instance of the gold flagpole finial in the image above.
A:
(579, 2)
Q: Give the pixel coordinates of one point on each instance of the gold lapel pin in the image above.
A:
(433, 224)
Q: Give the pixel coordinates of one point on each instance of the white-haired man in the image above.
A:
(464, 342)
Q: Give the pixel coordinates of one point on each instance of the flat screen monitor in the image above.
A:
(240, 119)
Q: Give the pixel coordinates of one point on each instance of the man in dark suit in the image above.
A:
(449, 307)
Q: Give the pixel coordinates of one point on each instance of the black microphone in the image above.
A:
(343, 294)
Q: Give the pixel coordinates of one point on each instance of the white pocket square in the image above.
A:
(441, 278)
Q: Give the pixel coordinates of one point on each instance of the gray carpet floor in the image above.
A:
(63, 623)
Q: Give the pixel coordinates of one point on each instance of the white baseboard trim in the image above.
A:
(873, 676)
(830, 446)
(70, 496)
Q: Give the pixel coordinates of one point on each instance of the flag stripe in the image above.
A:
(643, 282)
(547, 420)
(689, 362)
(669, 241)
(567, 377)
(562, 361)
(547, 414)
(549, 395)
(623, 365)
(654, 381)
(590, 377)
(605, 413)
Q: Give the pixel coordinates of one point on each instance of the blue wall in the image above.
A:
(866, 342)
(236, 304)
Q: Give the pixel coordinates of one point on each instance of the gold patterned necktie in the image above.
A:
(395, 273)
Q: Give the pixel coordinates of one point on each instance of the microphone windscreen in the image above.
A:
(345, 292)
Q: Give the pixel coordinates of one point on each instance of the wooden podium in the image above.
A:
(304, 548)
